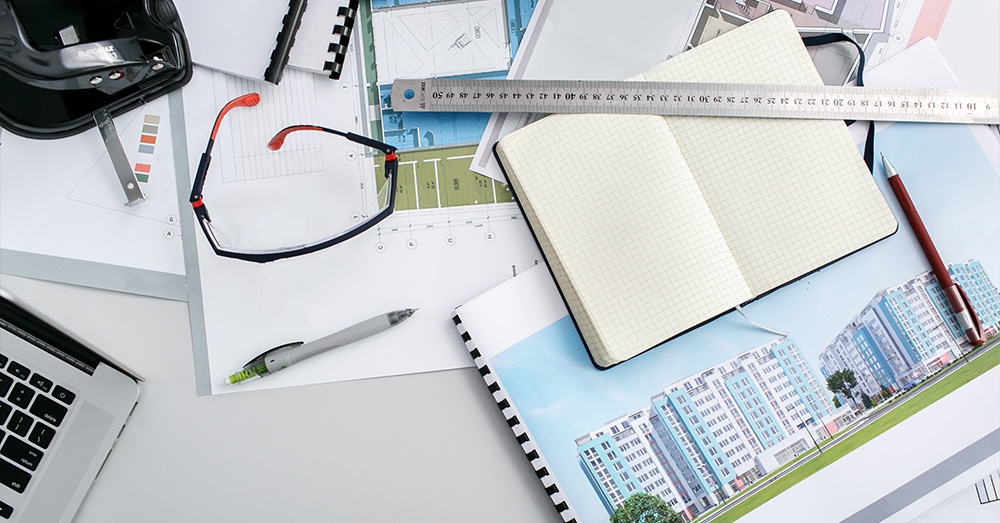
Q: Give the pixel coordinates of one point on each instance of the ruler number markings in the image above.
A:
(828, 102)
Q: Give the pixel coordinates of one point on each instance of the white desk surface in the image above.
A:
(426, 447)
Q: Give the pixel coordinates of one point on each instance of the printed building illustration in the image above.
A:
(701, 439)
(907, 332)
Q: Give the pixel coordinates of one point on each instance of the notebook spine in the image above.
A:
(342, 37)
(520, 430)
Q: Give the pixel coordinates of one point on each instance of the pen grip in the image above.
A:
(351, 334)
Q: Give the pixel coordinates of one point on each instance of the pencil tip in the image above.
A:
(890, 171)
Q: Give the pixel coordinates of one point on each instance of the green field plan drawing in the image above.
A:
(438, 178)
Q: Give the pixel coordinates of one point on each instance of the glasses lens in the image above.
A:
(294, 207)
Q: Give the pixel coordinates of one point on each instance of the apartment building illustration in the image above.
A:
(701, 439)
(907, 332)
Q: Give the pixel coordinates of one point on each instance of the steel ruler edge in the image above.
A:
(823, 102)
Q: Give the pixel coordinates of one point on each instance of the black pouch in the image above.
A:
(62, 61)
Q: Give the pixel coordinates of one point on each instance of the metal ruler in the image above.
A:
(696, 99)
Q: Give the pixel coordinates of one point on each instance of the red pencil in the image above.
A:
(959, 302)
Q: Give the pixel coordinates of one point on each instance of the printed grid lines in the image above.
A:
(789, 195)
(624, 225)
(654, 224)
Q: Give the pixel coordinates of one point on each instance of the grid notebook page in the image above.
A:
(624, 227)
(789, 195)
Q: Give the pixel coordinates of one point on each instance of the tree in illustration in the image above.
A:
(842, 382)
(644, 508)
(886, 393)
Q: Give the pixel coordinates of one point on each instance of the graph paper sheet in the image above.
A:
(652, 225)
(789, 195)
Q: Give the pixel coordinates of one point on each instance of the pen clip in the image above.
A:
(976, 324)
(261, 356)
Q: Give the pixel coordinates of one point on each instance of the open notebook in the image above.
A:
(653, 225)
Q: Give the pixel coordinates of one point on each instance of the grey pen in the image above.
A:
(286, 355)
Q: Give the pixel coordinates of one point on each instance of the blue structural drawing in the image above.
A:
(410, 130)
(518, 15)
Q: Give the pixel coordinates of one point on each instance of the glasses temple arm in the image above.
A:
(278, 140)
(247, 100)
(374, 144)
(199, 177)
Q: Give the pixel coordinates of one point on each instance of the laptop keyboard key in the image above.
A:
(20, 423)
(21, 453)
(42, 435)
(63, 395)
(48, 410)
(6, 511)
(4, 412)
(5, 383)
(41, 382)
(3, 360)
(12, 476)
(19, 370)
(21, 395)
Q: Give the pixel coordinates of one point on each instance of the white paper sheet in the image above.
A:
(236, 36)
(61, 200)
(430, 258)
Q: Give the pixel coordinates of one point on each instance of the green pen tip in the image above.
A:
(240, 376)
(246, 374)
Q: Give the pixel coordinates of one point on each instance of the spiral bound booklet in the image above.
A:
(257, 39)
(522, 311)
(654, 225)
(600, 440)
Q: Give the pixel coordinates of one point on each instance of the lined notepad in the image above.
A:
(653, 225)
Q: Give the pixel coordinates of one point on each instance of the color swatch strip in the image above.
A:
(147, 143)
